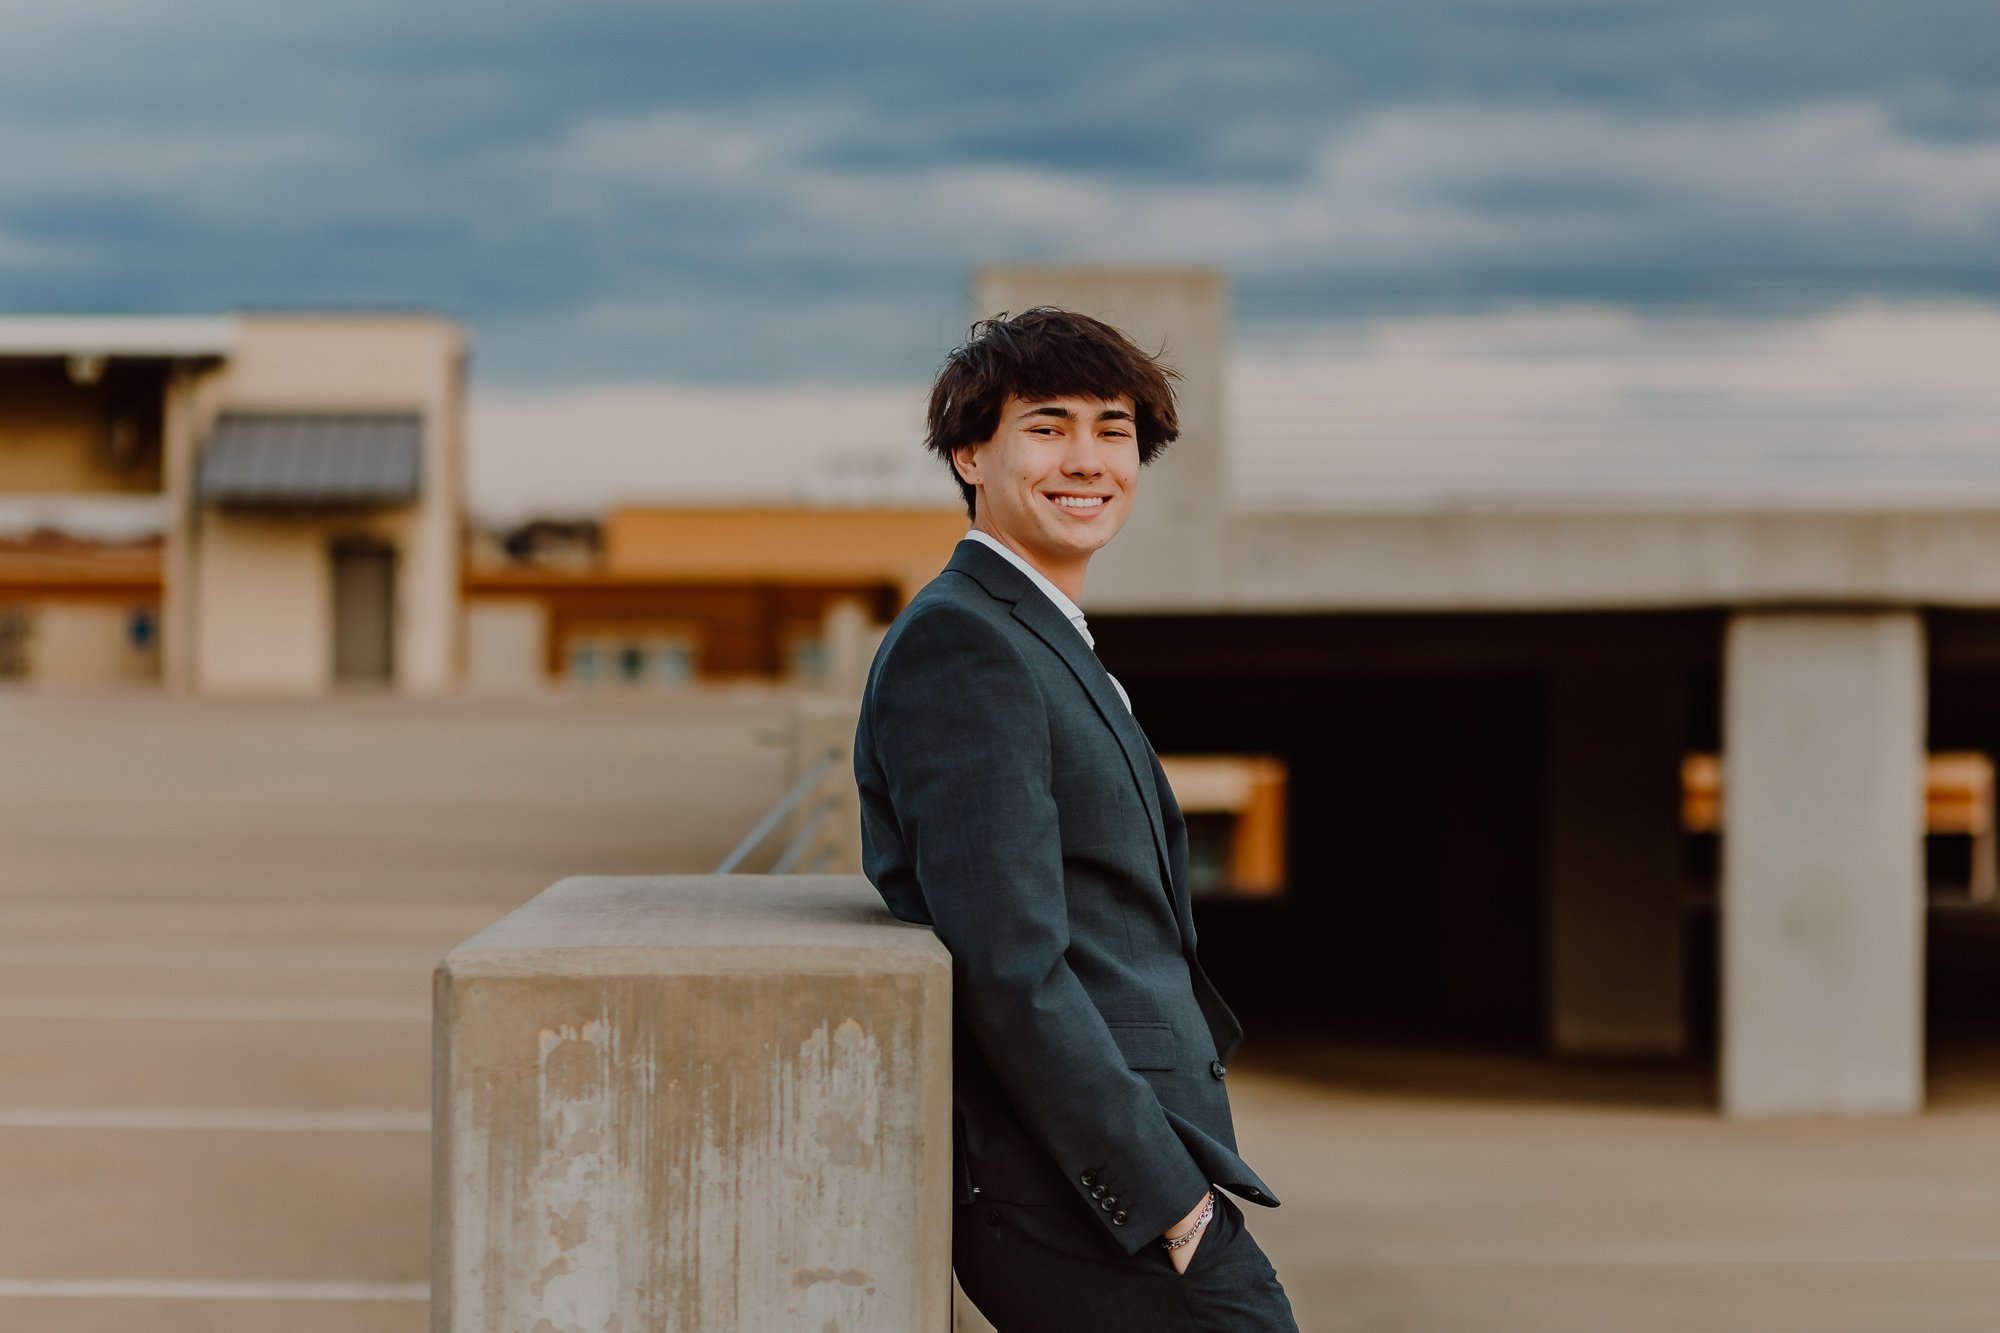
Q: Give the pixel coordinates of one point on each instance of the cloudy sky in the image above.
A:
(754, 192)
(758, 190)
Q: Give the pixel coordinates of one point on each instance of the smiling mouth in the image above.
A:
(1078, 504)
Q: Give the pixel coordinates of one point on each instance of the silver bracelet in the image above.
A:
(1200, 1221)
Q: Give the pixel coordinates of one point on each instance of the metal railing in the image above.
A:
(813, 820)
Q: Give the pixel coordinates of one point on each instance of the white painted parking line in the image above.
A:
(248, 957)
(345, 1120)
(219, 1009)
(197, 1289)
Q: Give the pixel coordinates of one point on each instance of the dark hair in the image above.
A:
(1043, 353)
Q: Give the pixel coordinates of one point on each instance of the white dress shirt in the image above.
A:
(1071, 611)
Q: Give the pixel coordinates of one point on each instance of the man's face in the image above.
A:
(1059, 476)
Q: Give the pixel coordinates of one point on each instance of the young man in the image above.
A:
(1010, 801)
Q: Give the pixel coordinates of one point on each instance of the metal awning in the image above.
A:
(312, 460)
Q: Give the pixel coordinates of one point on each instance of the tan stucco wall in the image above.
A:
(320, 362)
(263, 587)
(267, 585)
(86, 643)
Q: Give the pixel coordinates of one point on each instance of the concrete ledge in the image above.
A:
(1491, 560)
(693, 1102)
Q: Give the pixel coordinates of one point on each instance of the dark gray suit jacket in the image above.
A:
(1012, 803)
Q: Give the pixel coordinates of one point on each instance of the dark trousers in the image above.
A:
(1048, 1268)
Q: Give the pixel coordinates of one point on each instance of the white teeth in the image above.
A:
(1072, 502)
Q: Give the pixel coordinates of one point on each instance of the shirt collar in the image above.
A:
(1071, 611)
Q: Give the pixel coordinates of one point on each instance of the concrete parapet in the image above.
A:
(693, 1102)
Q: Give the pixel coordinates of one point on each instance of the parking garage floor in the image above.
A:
(218, 922)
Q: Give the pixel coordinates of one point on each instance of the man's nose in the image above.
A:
(1081, 460)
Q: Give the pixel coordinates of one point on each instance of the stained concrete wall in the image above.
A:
(1822, 888)
(694, 1103)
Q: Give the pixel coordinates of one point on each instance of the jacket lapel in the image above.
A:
(1001, 580)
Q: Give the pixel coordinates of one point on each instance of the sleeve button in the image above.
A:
(1118, 1218)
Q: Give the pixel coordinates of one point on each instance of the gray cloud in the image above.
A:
(720, 191)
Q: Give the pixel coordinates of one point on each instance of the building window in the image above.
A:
(634, 659)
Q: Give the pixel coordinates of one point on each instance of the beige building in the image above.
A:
(282, 494)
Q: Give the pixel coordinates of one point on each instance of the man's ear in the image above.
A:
(965, 462)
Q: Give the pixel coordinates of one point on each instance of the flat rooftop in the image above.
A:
(151, 337)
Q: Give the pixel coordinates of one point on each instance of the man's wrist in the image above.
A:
(1193, 1223)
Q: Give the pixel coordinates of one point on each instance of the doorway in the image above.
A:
(364, 612)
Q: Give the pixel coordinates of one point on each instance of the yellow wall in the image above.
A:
(906, 547)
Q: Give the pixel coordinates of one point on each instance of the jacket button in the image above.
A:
(1118, 1218)
(1089, 1178)
(1215, 1068)
(1108, 1204)
(1097, 1191)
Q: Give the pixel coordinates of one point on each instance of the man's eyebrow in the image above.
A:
(1064, 414)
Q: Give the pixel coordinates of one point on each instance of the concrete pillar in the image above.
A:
(693, 1102)
(845, 626)
(1172, 552)
(1615, 858)
(1822, 876)
(506, 646)
(178, 424)
(820, 724)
